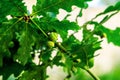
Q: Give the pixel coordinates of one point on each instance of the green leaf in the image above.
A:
(45, 55)
(72, 40)
(63, 27)
(112, 8)
(7, 34)
(38, 37)
(11, 77)
(37, 73)
(26, 42)
(23, 35)
(91, 62)
(60, 27)
(109, 9)
(85, 50)
(54, 5)
(56, 60)
(5, 39)
(84, 53)
(10, 7)
(117, 5)
(9, 67)
(88, 36)
(112, 35)
(68, 64)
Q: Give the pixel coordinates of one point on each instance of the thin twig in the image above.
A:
(92, 75)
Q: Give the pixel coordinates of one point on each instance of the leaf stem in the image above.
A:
(47, 7)
(39, 28)
(12, 25)
(101, 22)
(92, 75)
(102, 13)
(62, 48)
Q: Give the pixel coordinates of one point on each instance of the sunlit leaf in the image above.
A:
(54, 5)
(63, 27)
(112, 35)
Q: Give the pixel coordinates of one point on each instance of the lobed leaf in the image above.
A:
(63, 27)
(26, 42)
(44, 6)
(13, 8)
(112, 8)
(111, 35)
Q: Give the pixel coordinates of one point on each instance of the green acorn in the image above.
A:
(50, 44)
(53, 36)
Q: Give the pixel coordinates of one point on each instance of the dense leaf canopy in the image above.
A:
(25, 35)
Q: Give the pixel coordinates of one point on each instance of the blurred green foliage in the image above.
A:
(114, 74)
